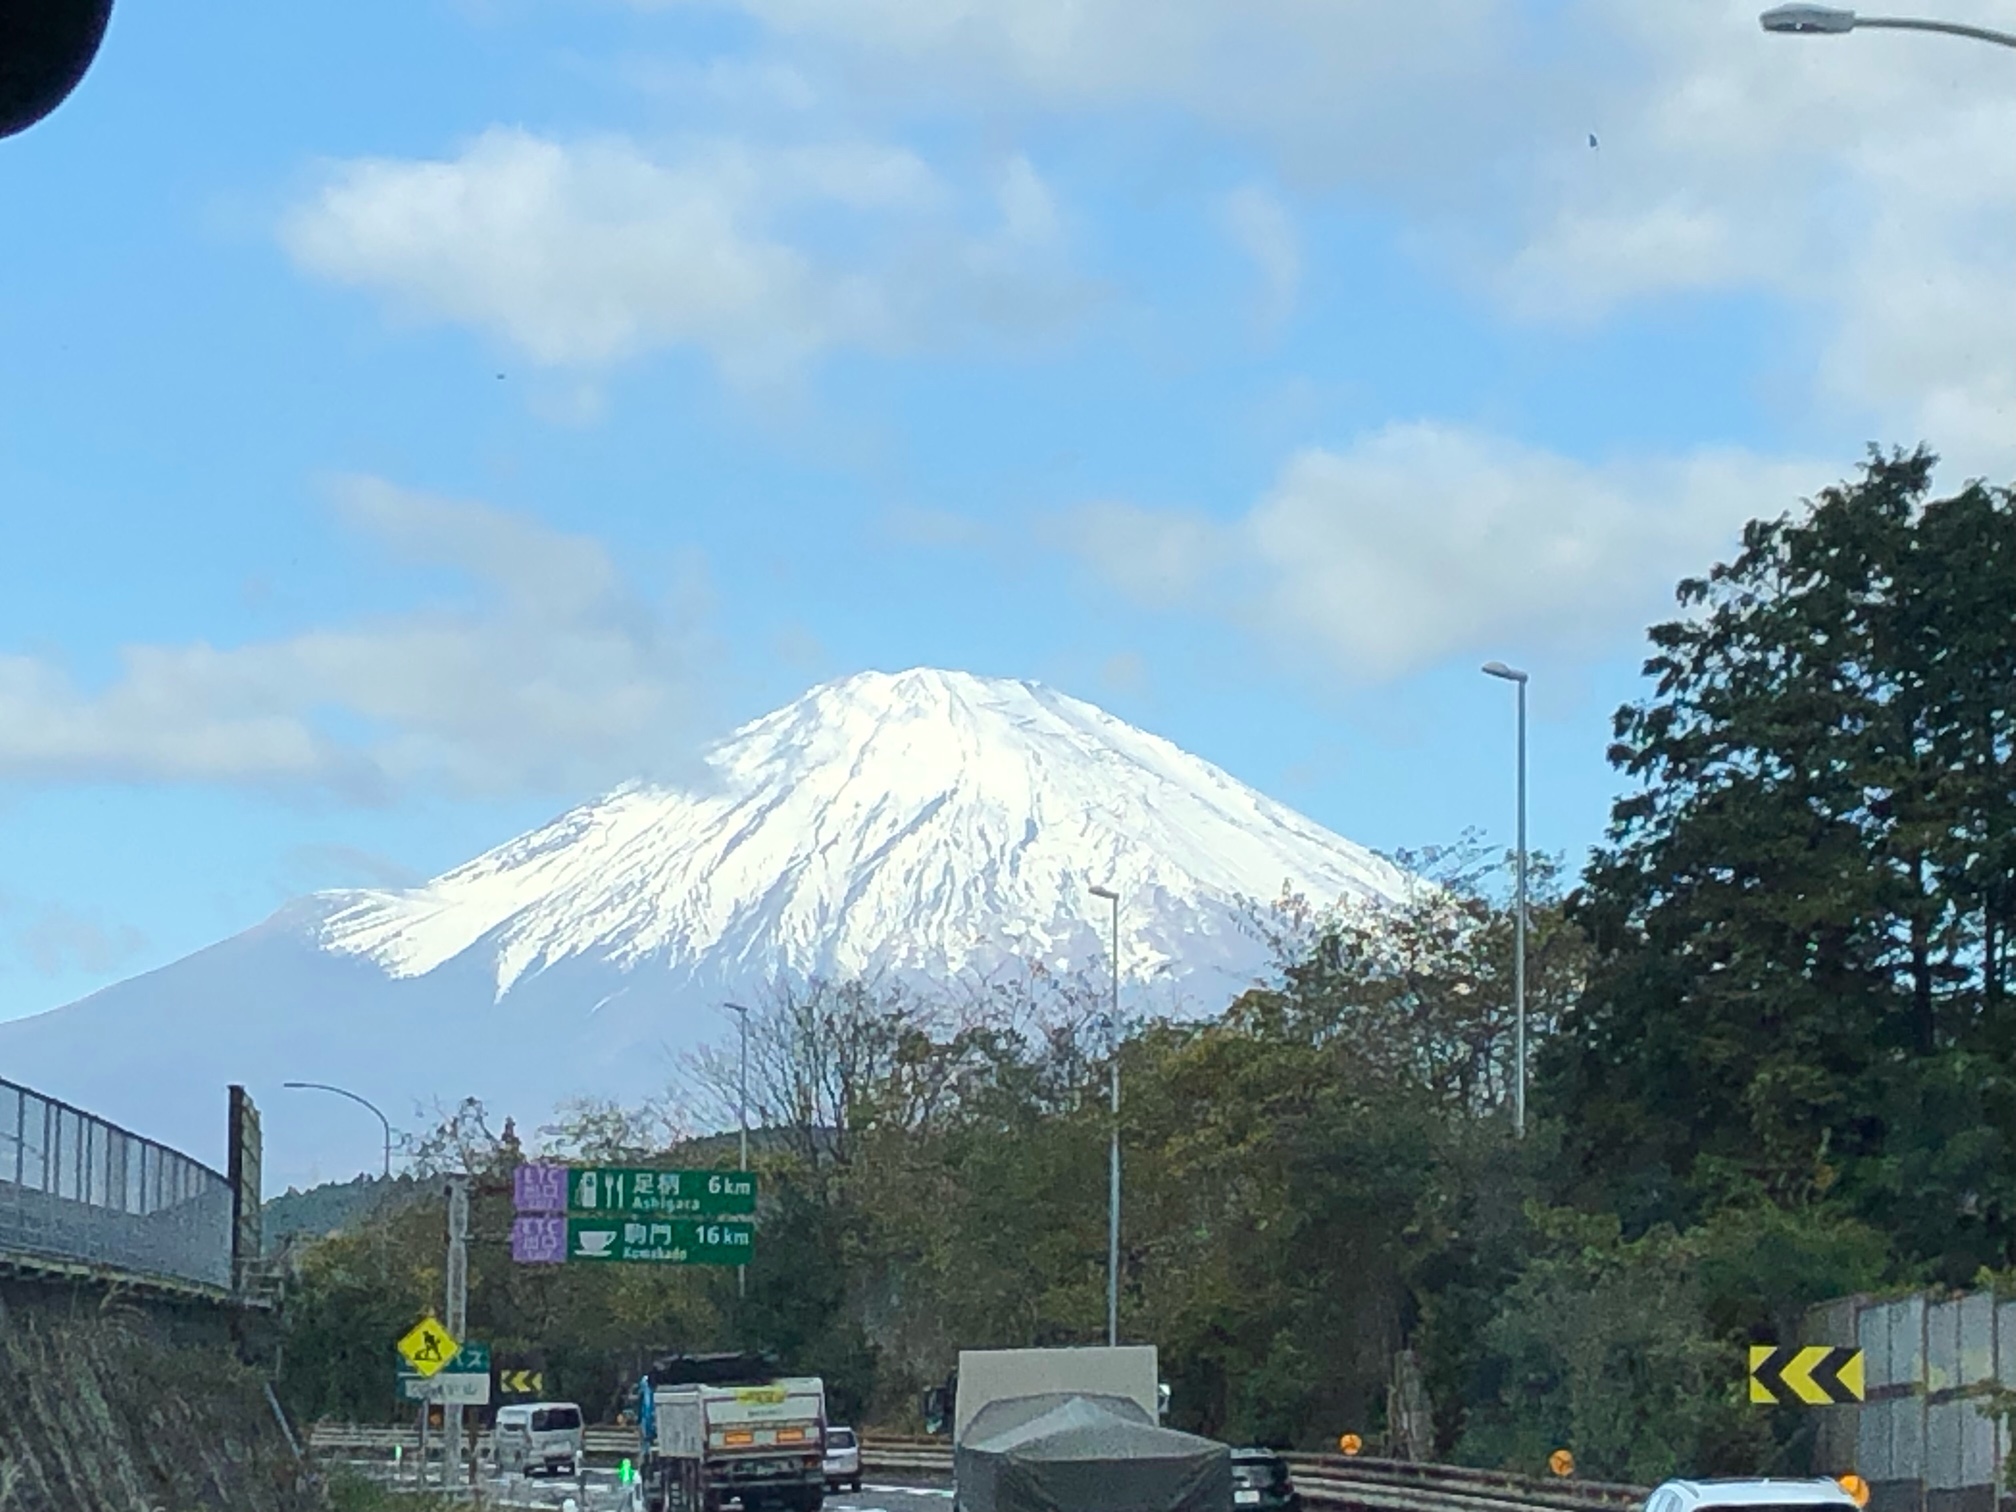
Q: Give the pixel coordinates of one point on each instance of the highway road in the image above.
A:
(599, 1491)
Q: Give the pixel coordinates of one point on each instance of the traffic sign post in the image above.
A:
(666, 1242)
(1815, 1376)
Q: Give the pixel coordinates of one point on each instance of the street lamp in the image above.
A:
(341, 1092)
(1113, 1178)
(1811, 20)
(742, 1271)
(1514, 675)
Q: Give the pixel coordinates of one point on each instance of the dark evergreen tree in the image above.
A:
(1802, 916)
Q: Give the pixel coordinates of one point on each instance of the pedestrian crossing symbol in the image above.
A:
(428, 1347)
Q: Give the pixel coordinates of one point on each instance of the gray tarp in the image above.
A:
(1065, 1453)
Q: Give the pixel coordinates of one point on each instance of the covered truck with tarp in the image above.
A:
(1080, 1452)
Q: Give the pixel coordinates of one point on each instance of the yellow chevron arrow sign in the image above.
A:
(1817, 1375)
(521, 1382)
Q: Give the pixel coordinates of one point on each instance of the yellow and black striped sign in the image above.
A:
(1817, 1376)
(521, 1382)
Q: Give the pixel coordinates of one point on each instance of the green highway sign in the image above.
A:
(464, 1379)
(664, 1241)
(618, 1191)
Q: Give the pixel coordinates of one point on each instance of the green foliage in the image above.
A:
(325, 1210)
(1601, 1345)
(1803, 918)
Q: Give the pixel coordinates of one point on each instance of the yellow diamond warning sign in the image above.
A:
(428, 1347)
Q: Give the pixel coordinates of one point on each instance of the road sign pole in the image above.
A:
(458, 1317)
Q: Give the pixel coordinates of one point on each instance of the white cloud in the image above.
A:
(1262, 227)
(585, 254)
(559, 676)
(323, 865)
(1420, 542)
(1863, 180)
(1286, 68)
(1860, 181)
(56, 939)
(1029, 210)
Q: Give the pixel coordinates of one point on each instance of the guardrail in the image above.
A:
(342, 1438)
(1405, 1486)
(1341, 1481)
(76, 1188)
(1329, 1480)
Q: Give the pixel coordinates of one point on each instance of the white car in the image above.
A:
(843, 1459)
(1750, 1496)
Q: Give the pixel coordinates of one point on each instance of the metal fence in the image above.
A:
(74, 1187)
(1923, 1439)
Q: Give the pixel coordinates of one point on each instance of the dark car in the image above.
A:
(1261, 1483)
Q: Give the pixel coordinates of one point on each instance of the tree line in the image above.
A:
(1772, 1028)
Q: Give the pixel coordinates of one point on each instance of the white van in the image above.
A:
(539, 1436)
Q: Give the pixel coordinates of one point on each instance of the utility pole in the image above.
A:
(1516, 676)
(458, 1317)
(742, 1271)
(1113, 1160)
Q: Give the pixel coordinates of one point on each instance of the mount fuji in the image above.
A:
(912, 827)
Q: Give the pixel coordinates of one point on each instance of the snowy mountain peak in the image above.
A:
(915, 825)
(923, 821)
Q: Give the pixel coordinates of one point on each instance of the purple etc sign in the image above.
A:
(539, 1188)
(539, 1241)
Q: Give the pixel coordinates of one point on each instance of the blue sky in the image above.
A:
(415, 417)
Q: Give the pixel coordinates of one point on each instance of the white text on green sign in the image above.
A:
(660, 1194)
(472, 1359)
(666, 1241)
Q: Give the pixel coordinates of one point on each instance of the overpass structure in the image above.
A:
(83, 1199)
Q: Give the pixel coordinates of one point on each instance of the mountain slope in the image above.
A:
(917, 826)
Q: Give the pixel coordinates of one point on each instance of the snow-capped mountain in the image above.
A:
(917, 827)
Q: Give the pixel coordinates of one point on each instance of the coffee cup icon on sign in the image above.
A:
(596, 1243)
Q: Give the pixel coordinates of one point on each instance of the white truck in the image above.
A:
(991, 1375)
(1072, 1430)
(739, 1434)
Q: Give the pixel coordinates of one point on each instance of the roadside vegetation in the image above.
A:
(1772, 1030)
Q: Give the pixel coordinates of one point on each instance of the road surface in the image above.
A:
(599, 1491)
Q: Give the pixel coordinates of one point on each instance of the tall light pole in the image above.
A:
(341, 1092)
(457, 1319)
(742, 1271)
(1514, 675)
(1826, 20)
(1113, 1163)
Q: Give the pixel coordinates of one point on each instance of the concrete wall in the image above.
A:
(111, 1404)
(1921, 1439)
